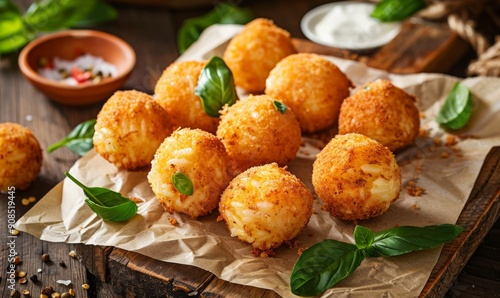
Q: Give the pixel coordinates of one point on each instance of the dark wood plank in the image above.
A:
(480, 213)
(134, 275)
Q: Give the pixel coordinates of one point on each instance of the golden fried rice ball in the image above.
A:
(382, 112)
(356, 177)
(254, 52)
(199, 155)
(174, 91)
(255, 132)
(20, 157)
(266, 206)
(129, 129)
(312, 87)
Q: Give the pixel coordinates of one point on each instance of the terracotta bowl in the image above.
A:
(65, 45)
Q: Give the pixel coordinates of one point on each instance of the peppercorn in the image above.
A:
(62, 264)
(34, 278)
(14, 294)
(45, 258)
(17, 260)
(47, 290)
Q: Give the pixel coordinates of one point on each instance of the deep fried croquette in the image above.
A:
(200, 156)
(20, 157)
(255, 132)
(382, 112)
(266, 206)
(312, 87)
(254, 52)
(129, 129)
(174, 91)
(356, 177)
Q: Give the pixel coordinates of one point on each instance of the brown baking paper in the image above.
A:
(62, 216)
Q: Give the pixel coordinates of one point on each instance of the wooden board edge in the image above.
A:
(480, 213)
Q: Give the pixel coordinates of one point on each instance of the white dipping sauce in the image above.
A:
(348, 25)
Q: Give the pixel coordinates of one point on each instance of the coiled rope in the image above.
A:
(461, 16)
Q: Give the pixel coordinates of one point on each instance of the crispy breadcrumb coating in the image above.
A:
(382, 112)
(174, 91)
(202, 157)
(255, 132)
(356, 177)
(312, 87)
(129, 129)
(254, 52)
(20, 157)
(266, 206)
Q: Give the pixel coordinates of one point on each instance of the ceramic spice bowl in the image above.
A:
(67, 45)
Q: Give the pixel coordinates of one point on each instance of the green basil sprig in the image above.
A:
(223, 13)
(457, 109)
(79, 140)
(216, 87)
(326, 263)
(281, 107)
(396, 10)
(17, 29)
(182, 183)
(108, 204)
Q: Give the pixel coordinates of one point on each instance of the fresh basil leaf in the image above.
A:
(323, 265)
(405, 239)
(396, 10)
(11, 21)
(281, 107)
(13, 42)
(457, 109)
(216, 87)
(12, 33)
(101, 12)
(79, 140)
(182, 183)
(363, 237)
(52, 15)
(107, 204)
(223, 13)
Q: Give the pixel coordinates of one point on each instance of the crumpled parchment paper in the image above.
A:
(62, 216)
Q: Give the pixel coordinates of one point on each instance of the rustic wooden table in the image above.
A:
(151, 30)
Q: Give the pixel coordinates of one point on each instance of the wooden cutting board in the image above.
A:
(134, 275)
(418, 48)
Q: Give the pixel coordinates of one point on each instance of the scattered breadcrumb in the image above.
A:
(422, 115)
(450, 140)
(301, 250)
(416, 207)
(445, 154)
(172, 221)
(136, 200)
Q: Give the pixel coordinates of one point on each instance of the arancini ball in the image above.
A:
(255, 132)
(382, 112)
(201, 157)
(266, 206)
(254, 52)
(129, 128)
(20, 157)
(312, 86)
(356, 177)
(174, 91)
